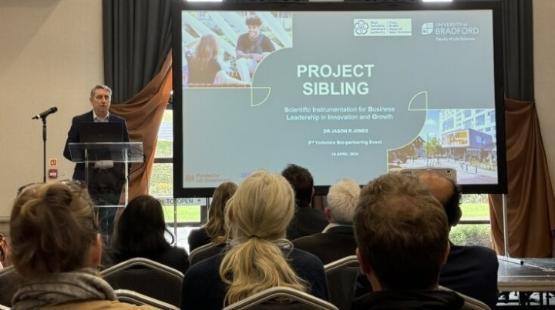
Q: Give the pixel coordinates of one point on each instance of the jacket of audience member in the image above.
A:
(204, 289)
(335, 242)
(472, 270)
(307, 221)
(428, 299)
(174, 257)
(198, 238)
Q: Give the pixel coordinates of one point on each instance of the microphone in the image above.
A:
(46, 113)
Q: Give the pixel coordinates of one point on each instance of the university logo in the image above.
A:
(427, 28)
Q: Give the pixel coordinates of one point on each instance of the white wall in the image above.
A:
(544, 76)
(50, 55)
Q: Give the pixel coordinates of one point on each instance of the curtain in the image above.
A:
(137, 38)
(137, 65)
(144, 113)
(531, 206)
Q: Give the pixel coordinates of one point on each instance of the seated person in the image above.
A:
(471, 270)
(214, 230)
(307, 220)
(402, 242)
(204, 67)
(337, 240)
(259, 257)
(4, 252)
(140, 233)
(56, 247)
(252, 46)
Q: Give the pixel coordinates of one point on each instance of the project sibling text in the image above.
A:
(329, 80)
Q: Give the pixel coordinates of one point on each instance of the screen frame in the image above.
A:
(179, 5)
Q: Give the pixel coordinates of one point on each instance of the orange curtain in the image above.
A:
(530, 203)
(144, 113)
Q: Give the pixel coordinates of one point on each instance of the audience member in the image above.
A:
(307, 220)
(471, 270)
(204, 67)
(140, 232)
(337, 240)
(56, 247)
(402, 237)
(4, 252)
(259, 257)
(214, 230)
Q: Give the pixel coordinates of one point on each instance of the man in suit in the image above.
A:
(307, 220)
(337, 240)
(471, 270)
(402, 237)
(107, 178)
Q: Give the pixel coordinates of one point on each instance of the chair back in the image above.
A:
(341, 275)
(139, 299)
(205, 251)
(146, 277)
(9, 283)
(469, 302)
(278, 298)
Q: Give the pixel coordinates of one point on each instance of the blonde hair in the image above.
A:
(52, 227)
(258, 215)
(215, 228)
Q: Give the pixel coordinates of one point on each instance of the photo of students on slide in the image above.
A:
(225, 48)
(252, 47)
(204, 67)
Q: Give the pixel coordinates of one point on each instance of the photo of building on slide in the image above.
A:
(463, 140)
(225, 48)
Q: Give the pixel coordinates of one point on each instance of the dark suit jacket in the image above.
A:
(307, 221)
(472, 270)
(73, 136)
(337, 242)
(197, 238)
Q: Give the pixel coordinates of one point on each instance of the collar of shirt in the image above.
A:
(332, 225)
(98, 119)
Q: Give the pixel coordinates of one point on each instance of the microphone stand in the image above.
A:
(43, 149)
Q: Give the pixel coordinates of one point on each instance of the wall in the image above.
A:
(50, 55)
(544, 76)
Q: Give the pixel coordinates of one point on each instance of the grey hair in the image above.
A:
(100, 86)
(342, 201)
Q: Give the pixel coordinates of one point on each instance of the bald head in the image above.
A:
(445, 191)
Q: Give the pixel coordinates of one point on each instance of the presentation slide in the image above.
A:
(346, 94)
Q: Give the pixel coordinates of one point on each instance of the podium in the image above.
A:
(106, 166)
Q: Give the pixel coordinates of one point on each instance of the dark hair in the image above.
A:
(401, 232)
(452, 205)
(302, 183)
(140, 230)
(253, 20)
(52, 228)
(215, 228)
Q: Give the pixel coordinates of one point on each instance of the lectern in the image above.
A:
(106, 173)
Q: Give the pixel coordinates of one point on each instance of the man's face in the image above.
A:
(101, 102)
(254, 31)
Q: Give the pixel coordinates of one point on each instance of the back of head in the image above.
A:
(258, 215)
(446, 192)
(52, 228)
(342, 201)
(215, 226)
(140, 229)
(302, 183)
(401, 232)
